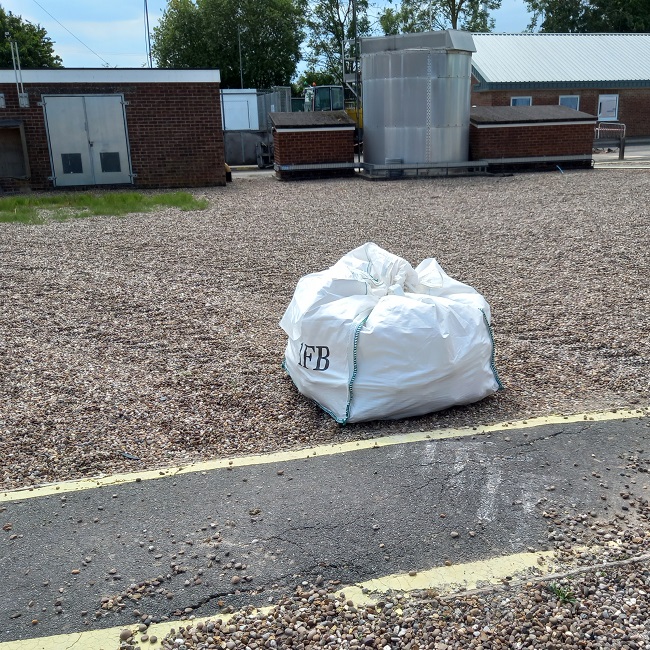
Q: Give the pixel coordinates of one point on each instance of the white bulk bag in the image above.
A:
(372, 338)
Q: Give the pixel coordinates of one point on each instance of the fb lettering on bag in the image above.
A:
(307, 354)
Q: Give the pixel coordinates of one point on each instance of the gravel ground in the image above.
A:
(598, 600)
(153, 340)
(600, 609)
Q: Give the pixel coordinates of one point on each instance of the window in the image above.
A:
(110, 161)
(337, 98)
(521, 101)
(71, 163)
(328, 98)
(323, 99)
(608, 107)
(572, 101)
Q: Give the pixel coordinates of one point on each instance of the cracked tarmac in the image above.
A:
(201, 542)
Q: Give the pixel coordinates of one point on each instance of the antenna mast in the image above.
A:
(147, 33)
(23, 99)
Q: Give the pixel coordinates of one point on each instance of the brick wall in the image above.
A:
(521, 141)
(313, 146)
(634, 111)
(174, 130)
(633, 103)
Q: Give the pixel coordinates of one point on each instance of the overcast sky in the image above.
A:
(92, 33)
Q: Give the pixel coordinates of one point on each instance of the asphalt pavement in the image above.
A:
(635, 156)
(199, 540)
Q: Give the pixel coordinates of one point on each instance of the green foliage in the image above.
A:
(409, 17)
(428, 15)
(60, 207)
(35, 48)
(558, 15)
(208, 34)
(563, 594)
(584, 16)
(177, 40)
(310, 77)
(330, 23)
(621, 16)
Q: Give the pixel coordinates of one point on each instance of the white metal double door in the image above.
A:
(88, 139)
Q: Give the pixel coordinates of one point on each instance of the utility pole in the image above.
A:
(241, 67)
(357, 79)
(147, 33)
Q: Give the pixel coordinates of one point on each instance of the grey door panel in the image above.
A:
(88, 139)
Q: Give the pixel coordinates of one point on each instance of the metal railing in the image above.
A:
(609, 130)
(610, 134)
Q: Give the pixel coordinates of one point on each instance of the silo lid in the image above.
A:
(447, 39)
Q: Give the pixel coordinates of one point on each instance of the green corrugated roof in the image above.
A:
(558, 58)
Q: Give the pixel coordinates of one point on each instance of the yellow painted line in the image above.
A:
(323, 450)
(454, 578)
(442, 579)
(106, 639)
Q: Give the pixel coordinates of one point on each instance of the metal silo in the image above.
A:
(416, 98)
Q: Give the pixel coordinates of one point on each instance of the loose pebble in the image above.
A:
(78, 416)
(125, 403)
(601, 608)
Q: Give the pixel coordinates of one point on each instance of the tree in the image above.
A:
(427, 15)
(177, 40)
(411, 16)
(35, 48)
(330, 24)
(558, 15)
(210, 33)
(311, 77)
(582, 16)
(620, 16)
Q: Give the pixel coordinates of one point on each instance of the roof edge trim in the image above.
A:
(112, 75)
(607, 84)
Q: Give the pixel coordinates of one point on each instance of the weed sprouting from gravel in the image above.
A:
(563, 594)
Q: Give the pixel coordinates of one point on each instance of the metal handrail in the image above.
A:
(612, 129)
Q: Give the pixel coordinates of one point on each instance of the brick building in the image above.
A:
(315, 144)
(605, 75)
(110, 127)
(531, 137)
